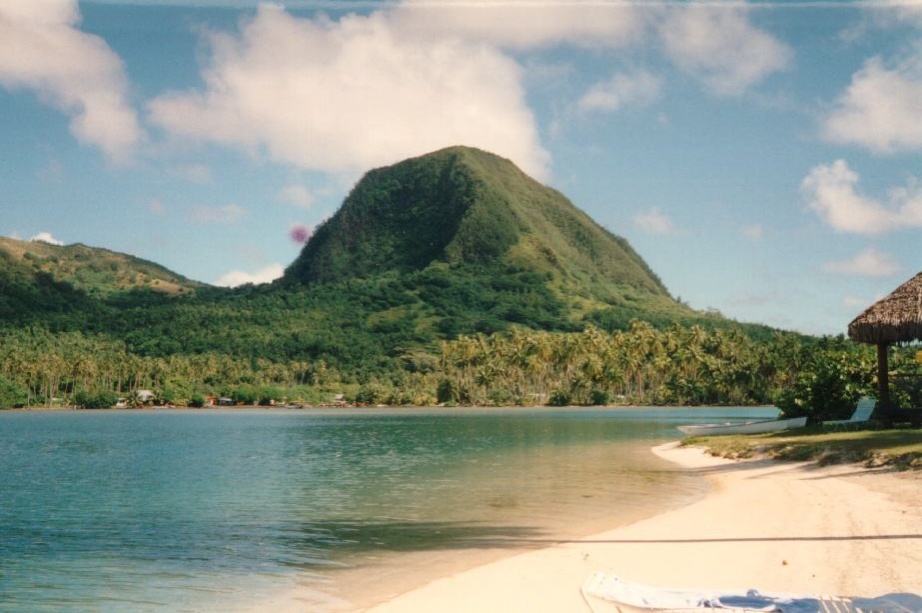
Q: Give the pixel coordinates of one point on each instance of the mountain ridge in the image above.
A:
(93, 270)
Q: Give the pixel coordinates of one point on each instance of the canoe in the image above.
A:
(747, 427)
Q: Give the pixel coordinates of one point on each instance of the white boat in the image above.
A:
(760, 426)
(619, 595)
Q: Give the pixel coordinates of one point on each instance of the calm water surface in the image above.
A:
(199, 511)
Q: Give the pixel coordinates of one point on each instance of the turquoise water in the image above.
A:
(208, 510)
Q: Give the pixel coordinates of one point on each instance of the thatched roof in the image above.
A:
(894, 319)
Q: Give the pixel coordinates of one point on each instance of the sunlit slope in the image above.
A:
(91, 270)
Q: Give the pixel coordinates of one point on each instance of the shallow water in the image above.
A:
(206, 510)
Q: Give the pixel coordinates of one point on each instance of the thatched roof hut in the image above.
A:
(894, 319)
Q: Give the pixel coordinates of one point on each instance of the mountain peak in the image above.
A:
(461, 206)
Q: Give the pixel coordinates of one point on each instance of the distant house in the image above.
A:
(225, 401)
(144, 396)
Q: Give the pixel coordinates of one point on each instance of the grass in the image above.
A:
(900, 449)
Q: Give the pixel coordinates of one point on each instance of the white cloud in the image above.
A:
(227, 214)
(622, 90)
(907, 11)
(719, 46)
(655, 222)
(296, 195)
(351, 94)
(831, 192)
(46, 237)
(41, 49)
(238, 277)
(868, 263)
(523, 24)
(880, 109)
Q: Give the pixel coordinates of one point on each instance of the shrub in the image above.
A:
(104, 399)
(447, 392)
(599, 397)
(559, 398)
(12, 395)
(370, 393)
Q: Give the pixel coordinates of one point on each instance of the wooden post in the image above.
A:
(883, 376)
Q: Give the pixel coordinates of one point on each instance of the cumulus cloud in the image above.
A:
(296, 195)
(523, 24)
(42, 49)
(719, 46)
(347, 95)
(46, 237)
(227, 214)
(235, 278)
(831, 192)
(880, 109)
(621, 90)
(655, 222)
(868, 263)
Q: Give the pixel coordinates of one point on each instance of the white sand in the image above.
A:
(776, 527)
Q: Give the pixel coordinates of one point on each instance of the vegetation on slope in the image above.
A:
(461, 208)
(95, 271)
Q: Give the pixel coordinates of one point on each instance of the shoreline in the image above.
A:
(776, 527)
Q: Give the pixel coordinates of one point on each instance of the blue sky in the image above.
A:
(764, 157)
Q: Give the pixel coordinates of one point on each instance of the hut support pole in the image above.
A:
(883, 376)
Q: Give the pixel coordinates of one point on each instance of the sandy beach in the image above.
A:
(777, 527)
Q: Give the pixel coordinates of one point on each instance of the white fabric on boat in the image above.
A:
(628, 596)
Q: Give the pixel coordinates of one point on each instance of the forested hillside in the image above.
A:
(451, 278)
(95, 271)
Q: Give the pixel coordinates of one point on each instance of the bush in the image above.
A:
(197, 401)
(560, 398)
(599, 397)
(12, 395)
(245, 395)
(829, 386)
(268, 396)
(104, 399)
(447, 392)
(370, 393)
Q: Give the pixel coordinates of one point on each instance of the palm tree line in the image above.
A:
(642, 365)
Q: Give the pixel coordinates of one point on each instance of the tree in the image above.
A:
(12, 395)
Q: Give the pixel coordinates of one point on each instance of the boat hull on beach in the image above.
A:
(623, 596)
(749, 427)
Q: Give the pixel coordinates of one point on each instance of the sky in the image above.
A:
(764, 158)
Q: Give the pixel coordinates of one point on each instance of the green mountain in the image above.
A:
(459, 241)
(471, 213)
(456, 243)
(91, 270)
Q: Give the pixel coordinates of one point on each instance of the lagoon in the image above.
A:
(167, 510)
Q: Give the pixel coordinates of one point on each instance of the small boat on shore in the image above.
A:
(760, 426)
(623, 596)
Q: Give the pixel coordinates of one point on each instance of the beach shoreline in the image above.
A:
(776, 527)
